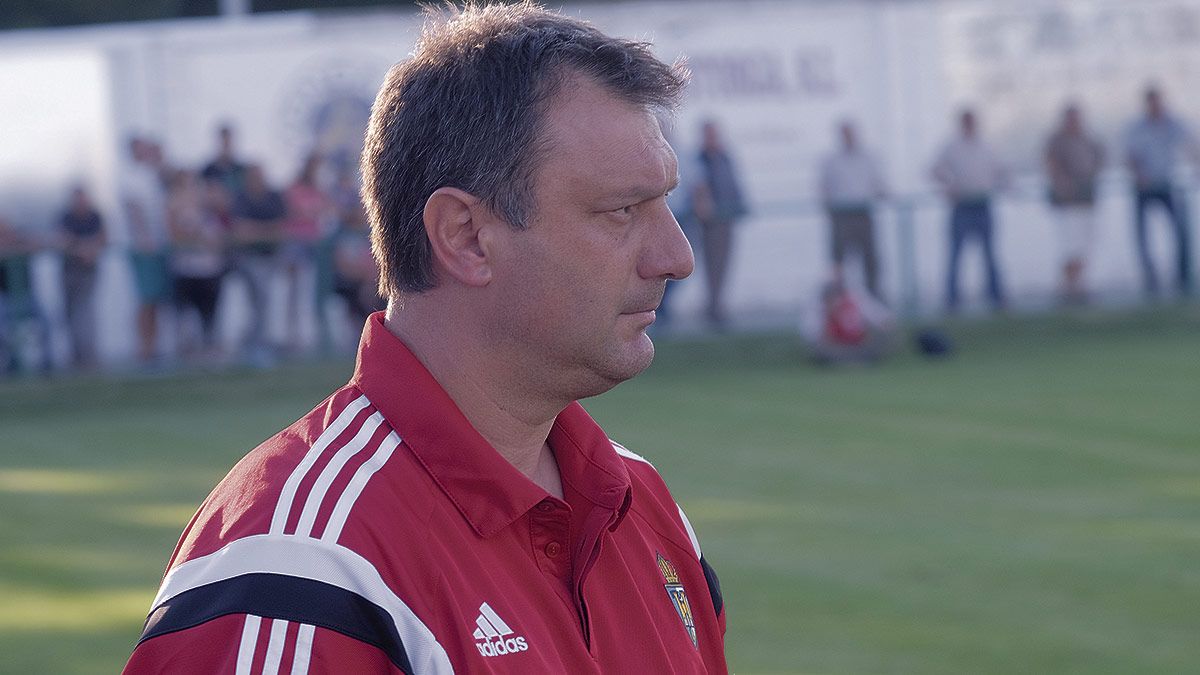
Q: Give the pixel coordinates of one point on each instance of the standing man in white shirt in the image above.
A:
(850, 184)
(1154, 146)
(971, 172)
(1074, 157)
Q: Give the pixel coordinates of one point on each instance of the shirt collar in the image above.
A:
(489, 491)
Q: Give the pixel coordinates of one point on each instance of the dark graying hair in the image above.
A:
(465, 111)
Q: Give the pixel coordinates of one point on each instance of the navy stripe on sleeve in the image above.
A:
(714, 585)
(278, 596)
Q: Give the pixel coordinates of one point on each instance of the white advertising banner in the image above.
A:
(1020, 62)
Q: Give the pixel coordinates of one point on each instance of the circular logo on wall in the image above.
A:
(327, 108)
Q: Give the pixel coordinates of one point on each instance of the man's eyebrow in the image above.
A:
(637, 194)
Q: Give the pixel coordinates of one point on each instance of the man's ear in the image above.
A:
(453, 221)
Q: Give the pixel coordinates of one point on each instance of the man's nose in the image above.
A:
(668, 252)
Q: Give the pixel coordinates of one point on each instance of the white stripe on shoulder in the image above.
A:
(318, 560)
(284, 506)
(316, 494)
(627, 453)
(303, 651)
(245, 658)
(275, 647)
(687, 525)
(341, 511)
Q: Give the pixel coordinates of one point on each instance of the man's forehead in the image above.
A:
(593, 131)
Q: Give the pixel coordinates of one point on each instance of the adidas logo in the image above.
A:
(492, 634)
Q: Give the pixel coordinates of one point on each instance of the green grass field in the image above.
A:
(1031, 505)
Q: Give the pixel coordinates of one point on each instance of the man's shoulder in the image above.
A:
(1137, 128)
(653, 501)
(322, 524)
(832, 159)
(318, 479)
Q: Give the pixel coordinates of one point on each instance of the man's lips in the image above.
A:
(648, 305)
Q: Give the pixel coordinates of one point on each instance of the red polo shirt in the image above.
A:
(382, 533)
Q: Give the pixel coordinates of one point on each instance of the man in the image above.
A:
(717, 207)
(226, 169)
(1152, 148)
(1073, 161)
(682, 202)
(971, 172)
(83, 238)
(850, 183)
(258, 217)
(454, 509)
(18, 302)
(145, 209)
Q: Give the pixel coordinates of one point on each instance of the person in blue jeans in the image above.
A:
(1153, 145)
(970, 172)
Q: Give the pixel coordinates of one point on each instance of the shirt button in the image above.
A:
(545, 507)
(553, 549)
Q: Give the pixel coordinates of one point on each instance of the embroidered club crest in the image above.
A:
(678, 597)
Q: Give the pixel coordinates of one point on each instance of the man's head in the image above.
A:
(467, 111)
(849, 135)
(968, 125)
(225, 139)
(80, 201)
(137, 149)
(1072, 120)
(710, 136)
(144, 150)
(1155, 108)
(515, 172)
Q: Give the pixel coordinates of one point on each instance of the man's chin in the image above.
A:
(625, 365)
(638, 356)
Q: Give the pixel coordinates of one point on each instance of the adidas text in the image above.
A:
(501, 647)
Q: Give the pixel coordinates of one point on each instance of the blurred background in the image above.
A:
(930, 393)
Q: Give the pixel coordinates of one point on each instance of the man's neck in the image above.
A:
(515, 423)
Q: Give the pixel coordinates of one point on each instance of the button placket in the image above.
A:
(551, 526)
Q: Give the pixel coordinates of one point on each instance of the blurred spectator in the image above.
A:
(1153, 145)
(970, 172)
(1074, 158)
(850, 184)
(717, 208)
(225, 169)
(681, 201)
(257, 231)
(308, 208)
(849, 325)
(355, 275)
(83, 241)
(197, 259)
(18, 303)
(145, 208)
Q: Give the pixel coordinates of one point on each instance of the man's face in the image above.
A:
(968, 124)
(710, 136)
(1073, 120)
(1154, 104)
(576, 290)
(849, 138)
